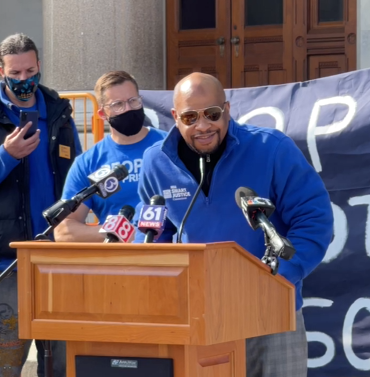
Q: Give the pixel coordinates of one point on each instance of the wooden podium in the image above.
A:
(194, 303)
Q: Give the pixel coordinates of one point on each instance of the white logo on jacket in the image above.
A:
(175, 193)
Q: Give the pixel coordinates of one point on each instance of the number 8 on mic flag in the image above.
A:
(119, 226)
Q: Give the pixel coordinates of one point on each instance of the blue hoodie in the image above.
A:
(264, 160)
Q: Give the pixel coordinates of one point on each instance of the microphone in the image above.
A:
(118, 227)
(152, 218)
(257, 211)
(104, 182)
(202, 168)
(249, 201)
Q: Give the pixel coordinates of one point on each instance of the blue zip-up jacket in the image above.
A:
(33, 183)
(264, 160)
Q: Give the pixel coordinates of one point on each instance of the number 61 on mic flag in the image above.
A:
(152, 218)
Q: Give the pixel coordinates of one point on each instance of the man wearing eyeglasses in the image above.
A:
(121, 105)
(238, 156)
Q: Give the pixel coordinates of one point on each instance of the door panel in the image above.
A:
(321, 47)
(260, 56)
(203, 49)
(326, 65)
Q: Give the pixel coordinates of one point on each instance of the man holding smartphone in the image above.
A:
(34, 161)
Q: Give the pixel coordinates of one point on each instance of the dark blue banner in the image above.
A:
(329, 120)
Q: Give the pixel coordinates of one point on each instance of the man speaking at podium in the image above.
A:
(235, 156)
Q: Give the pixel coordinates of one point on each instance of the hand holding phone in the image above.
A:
(29, 116)
(25, 138)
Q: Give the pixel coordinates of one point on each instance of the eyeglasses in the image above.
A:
(118, 106)
(212, 113)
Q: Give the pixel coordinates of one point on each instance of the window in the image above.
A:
(330, 10)
(263, 12)
(197, 14)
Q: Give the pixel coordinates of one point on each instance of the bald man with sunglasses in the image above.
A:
(237, 156)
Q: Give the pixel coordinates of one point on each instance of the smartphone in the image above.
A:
(29, 116)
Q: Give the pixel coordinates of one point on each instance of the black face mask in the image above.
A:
(128, 123)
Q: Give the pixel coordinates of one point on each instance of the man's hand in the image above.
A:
(17, 146)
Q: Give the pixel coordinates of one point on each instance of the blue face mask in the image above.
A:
(23, 89)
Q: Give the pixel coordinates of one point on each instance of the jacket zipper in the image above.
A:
(24, 216)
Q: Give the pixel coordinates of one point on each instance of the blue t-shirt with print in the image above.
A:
(107, 153)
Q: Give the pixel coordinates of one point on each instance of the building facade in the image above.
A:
(242, 42)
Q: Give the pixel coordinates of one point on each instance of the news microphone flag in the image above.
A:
(107, 180)
(152, 218)
(118, 228)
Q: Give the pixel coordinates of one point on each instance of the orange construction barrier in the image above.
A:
(97, 124)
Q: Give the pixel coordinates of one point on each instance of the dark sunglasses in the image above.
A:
(212, 113)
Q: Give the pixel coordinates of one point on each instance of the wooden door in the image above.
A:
(198, 34)
(323, 38)
(292, 40)
(260, 37)
(267, 42)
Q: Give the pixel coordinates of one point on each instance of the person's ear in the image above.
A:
(227, 109)
(101, 113)
(174, 115)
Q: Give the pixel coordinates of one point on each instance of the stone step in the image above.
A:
(29, 369)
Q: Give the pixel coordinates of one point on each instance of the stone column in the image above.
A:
(363, 34)
(85, 38)
(22, 16)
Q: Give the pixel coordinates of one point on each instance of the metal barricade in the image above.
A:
(81, 114)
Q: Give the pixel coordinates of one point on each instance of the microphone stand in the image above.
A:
(270, 257)
(8, 270)
(48, 359)
(276, 246)
(202, 168)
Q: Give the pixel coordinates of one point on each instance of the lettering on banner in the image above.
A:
(363, 200)
(355, 361)
(153, 117)
(340, 234)
(341, 231)
(316, 336)
(313, 130)
(347, 334)
(275, 112)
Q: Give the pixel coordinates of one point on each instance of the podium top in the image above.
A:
(44, 244)
(157, 293)
(148, 247)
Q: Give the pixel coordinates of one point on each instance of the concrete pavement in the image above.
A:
(30, 368)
